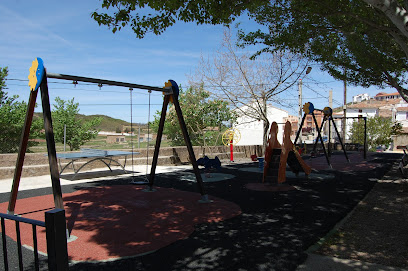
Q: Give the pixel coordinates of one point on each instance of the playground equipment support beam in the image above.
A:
(22, 151)
(321, 140)
(52, 152)
(300, 129)
(106, 82)
(158, 141)
(190, 149)
(365, 131)
(365, 138)
(341, 142)
(329, 142)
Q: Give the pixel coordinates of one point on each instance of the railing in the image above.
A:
(55, 228)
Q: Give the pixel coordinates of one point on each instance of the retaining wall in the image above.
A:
(36, 164)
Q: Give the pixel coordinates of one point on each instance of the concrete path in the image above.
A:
(93, 175)
(323, 263)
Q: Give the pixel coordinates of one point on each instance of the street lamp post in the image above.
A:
(300, 85)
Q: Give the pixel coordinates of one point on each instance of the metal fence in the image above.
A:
(55, 228)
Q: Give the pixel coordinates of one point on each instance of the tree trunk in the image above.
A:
(265, 125)
(393, 11)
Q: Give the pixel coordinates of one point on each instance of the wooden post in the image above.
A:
(189, 147)
(49, 136)
(158, 141)
(57, 250)
(22, 151)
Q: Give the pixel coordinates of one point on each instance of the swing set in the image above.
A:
(38, 80)
(308, 108)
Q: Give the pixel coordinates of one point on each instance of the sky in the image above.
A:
(69, 41)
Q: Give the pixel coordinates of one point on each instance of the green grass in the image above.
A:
(100, 143)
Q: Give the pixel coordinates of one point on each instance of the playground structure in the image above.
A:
(38, 80)
(230, 137)
(308, 108)
(277, 156)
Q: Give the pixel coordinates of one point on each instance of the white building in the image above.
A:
(393, 108)
(382, 96)
(252, 129)
(352, 114)
(361, 97)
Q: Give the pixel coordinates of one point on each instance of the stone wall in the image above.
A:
(400, 141)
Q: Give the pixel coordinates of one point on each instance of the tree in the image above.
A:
(204, 118)
(77, 132)
(12, 116)
(249, 85)
(361, 41)
(379, 131)
(351, 39)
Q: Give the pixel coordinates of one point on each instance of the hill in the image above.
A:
(108, 124)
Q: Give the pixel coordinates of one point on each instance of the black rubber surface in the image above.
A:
(272, 233)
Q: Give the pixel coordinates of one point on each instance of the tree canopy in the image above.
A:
(379, 132)
(362, 41)
(204, 118)
(12, 116)
(77, 132)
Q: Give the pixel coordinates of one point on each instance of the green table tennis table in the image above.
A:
(105, 156)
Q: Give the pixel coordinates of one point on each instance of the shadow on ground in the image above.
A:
(272, 233)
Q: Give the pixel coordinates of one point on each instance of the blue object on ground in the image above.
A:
(209, 163)
(261, 162)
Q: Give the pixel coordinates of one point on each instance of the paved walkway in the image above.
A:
(94, 175)
(317, 262)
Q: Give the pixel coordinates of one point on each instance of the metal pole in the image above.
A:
(299, 131)
(106, 82)
(341, 142)
(300, 110)
(138, 138)
(65, 135)
(319, 129)
(329, 137)
(344, 111)
(365, 137)
(321, 140)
